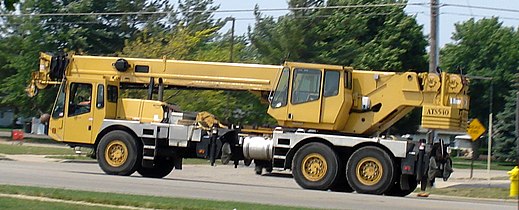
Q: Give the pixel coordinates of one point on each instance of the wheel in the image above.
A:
(118, 153)
(161, 169)
(370, 170)
(396, 190)
(341, 183)
(315, 166)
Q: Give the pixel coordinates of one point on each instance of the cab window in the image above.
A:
(306, 86)
(331, 83)
(59, 105)
(80, 99)
(112, 94)
(100, 96)
(280, 97)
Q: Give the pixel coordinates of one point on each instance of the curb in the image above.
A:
(457, 198)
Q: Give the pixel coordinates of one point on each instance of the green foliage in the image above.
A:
(23, 37)
(484, 48)
(487, 48)
(505, 148)
(383, 38)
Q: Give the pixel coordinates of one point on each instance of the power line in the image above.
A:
(216, 11)
(472, 15)
(481, 7)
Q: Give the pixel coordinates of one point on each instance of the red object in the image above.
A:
(17, 134)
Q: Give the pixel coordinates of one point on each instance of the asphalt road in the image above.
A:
(220, 183)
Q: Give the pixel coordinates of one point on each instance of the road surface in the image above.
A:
(220, 183)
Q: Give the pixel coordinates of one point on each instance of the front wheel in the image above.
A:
(118, 153)
(315, 166)
(370, 170)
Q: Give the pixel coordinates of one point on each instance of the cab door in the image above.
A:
(56, 130)
(305, 99)
(79, 114)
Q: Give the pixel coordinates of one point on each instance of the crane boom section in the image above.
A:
(210, 75)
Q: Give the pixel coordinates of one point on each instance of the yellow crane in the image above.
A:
(329, 117)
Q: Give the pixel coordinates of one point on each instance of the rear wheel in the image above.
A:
(370, 170)
(396, 189)
(162, 168)
(315, 166)
(118, 153)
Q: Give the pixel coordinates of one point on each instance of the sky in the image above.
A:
(449, 15)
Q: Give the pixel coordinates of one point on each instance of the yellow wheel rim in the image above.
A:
(116, 153)
(314, 167)
(369, 171)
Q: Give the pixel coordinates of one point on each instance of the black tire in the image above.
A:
(396, 190)
(118, 153)
(315, 166)
(161, 169)
(341, 183)
(370, 170)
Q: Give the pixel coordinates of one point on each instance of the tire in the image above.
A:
(396, 190)
(315, 166)
(370, 170)
(341, 183)
(161, 169)
(118, 153)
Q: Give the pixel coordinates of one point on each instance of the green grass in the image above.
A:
(33, 150)
(475, 192)
(480, 164)
(196, 161)
(130, 200)
(22, 204)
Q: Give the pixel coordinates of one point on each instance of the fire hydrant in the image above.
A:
(514, 181)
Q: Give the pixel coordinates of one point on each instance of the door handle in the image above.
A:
(289, 116)
(89, 127)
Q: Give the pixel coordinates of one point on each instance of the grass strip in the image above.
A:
(481, 164)
(33, 150)
(22, 204)
(143, 201)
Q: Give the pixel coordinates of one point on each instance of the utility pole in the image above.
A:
(231, 59)
(433, 53)
(433, 42)
(232, 40)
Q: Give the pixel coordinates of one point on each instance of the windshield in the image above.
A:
(59, 104)
(280, 96)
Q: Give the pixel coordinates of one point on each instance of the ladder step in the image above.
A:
(148, 158)
(149, 147)
(279, 157)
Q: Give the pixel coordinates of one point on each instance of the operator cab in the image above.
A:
(312, 96)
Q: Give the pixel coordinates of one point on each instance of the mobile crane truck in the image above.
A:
(329, 118)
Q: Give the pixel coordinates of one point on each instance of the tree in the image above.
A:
(484, 48)
(505, 148)
(382, 38)
(23, 37)
(487, 48)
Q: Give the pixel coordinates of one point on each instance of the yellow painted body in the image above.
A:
(302, 95)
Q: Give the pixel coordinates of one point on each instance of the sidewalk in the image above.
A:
(480, 178)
